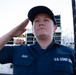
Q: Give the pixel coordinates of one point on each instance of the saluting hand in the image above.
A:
(18, 30)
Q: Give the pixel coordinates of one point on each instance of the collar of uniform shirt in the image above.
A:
(37, 49)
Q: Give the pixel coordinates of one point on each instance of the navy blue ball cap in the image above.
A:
(40, 9)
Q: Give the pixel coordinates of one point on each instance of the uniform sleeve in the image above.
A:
(6, 54)
(72, 56)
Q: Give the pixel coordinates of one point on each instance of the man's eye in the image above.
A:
(36, 20)
(46, 20)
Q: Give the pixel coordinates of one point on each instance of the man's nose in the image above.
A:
(41, 24)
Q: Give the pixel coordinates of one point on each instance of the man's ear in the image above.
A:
(55, 28)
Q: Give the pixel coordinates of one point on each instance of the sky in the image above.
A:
(13, 12)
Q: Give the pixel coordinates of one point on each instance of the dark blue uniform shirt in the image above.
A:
(56, 59)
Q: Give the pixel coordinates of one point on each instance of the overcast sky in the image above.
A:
(13, 12)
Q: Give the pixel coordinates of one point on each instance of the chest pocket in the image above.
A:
(63, 64)
(63, 67)
(22, 66)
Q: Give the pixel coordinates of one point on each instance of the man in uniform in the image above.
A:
(45, 56)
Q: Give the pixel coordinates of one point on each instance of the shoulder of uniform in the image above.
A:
(66, 49)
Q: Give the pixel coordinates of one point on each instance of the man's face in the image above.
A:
(43, 26)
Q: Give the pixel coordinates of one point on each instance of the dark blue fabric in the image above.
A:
(56, 59)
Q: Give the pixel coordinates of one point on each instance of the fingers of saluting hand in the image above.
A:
(24, 23)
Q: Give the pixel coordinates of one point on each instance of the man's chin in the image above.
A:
(42, 36)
